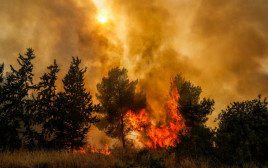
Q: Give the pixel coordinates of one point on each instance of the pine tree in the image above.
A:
(194, 111)
(117, 95)
(75, 108)
(46, 103)
(198, 140)
(17, 103)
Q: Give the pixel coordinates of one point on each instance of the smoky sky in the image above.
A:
(219, 45)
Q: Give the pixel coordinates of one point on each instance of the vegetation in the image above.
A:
(193, 110)
(142, 159)
(40, 127)
(198, 140)
(75, 108)
(117, 95)
(64, 118)
(16, 113)
(242, 135)
(46, 103)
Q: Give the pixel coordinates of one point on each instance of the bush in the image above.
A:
(196, 143)
(242, 135)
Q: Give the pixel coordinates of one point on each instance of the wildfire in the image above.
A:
(162, 136)
(92, 149)
(104, 151)
(151, 136)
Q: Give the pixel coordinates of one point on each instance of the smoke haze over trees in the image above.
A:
(64, 117)
(220, 46)
(228, 46)
(38, 116)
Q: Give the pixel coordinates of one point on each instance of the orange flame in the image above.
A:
(92, 149)
(104, 151)
(162, 136)
(80, 150)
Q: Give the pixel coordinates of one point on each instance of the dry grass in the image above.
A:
(42, 159)
(131, 158)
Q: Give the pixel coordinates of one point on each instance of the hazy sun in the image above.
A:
(102, 18)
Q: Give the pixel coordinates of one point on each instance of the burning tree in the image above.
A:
(117, 96)
(165, 135)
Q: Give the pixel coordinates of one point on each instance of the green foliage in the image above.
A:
(198, 140)
(196, 143)
(117, 96)
(242, 135)
(16, 112)
(193, 110)
(46, 104)
(144, 158)
(119, 164)
(75, 108)
(156, 162)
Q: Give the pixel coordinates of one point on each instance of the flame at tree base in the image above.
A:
(151, 136)
(163, 136)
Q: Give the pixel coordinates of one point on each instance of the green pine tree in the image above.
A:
(46, 105)
(117, 95)
(16, 112)
(75, 108)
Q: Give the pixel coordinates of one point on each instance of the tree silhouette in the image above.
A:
(46, 104)
(75, 108)
(117, 95)
(198, 140)
(193, 110)
(242, 135)
(16, 113)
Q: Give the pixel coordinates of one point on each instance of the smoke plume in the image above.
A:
(219, 45)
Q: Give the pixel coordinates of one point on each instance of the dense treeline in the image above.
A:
(36, 116)
(241, 136)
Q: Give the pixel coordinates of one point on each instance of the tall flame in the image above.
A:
(162, 136)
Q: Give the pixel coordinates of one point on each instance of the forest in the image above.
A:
(42, 125)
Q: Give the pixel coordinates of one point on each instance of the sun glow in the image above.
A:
(102, 18)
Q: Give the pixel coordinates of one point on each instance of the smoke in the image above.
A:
(233, 52)
(55, 30)
(219, 45)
